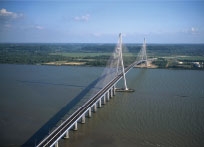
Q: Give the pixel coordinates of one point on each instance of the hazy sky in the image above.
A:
(100, 21)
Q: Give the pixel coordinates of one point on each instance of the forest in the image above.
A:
(93, 54)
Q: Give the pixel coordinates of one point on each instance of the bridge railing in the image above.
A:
(79, 113)
(58, 127)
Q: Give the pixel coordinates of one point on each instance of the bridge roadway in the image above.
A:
(60, 131)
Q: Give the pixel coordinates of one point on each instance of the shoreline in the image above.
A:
(60, 63)
(86, 65)
(150, 66)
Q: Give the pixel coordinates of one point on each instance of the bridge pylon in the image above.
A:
(142, 56)
(120, 64)
(144, 53)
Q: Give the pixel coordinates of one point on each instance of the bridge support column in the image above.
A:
(114, 90)
(56, 144)
(89, 114)
(83, 119)
(94, 107)
(111, 92)
(108, 95)
(66, 135)
(75, 126)
(99, 103)
(104, 99)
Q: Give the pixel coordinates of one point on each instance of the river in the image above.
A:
(166, 109)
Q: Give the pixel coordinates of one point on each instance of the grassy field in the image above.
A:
(79, 54)
(83, 55)
(191, 58)
(165, 55)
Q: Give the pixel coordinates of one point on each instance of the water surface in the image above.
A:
(166, 109)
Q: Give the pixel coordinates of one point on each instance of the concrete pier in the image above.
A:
(75, 127)
(114, 90)
(83, 119)
(56, 144)
(111, 91)
(66, 135)
(89, 113)
(94, 108)
(108, 95)
(104, 99)
(99, 103)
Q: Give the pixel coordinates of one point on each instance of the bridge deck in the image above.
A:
(68, 123)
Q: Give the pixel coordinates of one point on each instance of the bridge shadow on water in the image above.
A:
(48, 83)
(44, 130)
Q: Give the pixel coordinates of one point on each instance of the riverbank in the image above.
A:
(173, 56)
(64, 63)
(156, 63)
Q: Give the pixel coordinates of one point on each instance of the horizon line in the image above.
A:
(90, 43)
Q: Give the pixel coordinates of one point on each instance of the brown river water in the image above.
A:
(166, 109)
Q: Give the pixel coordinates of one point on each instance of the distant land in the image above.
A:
(170, 56)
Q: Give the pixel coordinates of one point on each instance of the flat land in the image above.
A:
(180, 56)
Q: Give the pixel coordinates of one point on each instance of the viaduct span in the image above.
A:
(107, 92)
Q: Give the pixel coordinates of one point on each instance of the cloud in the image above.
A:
(9, 15)
(39, 27)
(191, 31)
(33, 27)
(194, 30)
(82, 18)
(7, 18)
(97, 34)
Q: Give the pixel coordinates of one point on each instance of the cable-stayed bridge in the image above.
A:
(113, 73)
